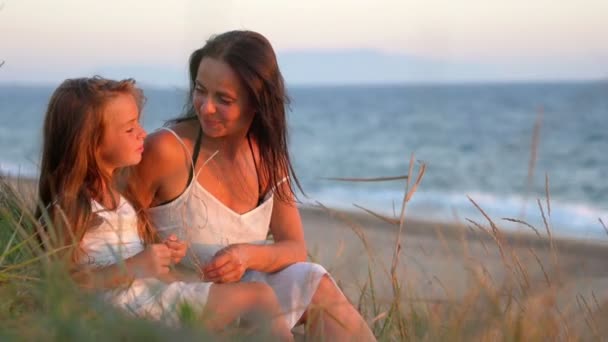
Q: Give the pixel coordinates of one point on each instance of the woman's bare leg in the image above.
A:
(227, 302)
(331, 317)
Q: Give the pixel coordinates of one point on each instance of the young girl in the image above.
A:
(92, 132)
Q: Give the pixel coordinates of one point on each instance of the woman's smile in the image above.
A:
(210, 123)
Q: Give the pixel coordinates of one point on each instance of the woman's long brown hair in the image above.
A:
(70, 176)
(251, 57)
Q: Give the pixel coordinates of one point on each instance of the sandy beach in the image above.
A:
(438, 261)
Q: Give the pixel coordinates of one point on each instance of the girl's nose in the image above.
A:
(142, 132)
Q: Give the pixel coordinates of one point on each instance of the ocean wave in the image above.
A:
(580, 220)
(20, 171)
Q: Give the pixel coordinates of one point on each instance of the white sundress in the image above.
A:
(116, 239)
(208, 225)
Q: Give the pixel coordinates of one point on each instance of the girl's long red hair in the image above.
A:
(70, 176)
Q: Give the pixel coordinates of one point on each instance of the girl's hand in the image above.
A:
(153, 261)
(227, 265)
(176, 247)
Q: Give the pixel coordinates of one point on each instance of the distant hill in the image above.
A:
(333, 67)
(337, 67)
(369, 66)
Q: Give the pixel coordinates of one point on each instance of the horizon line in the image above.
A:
(350, 84)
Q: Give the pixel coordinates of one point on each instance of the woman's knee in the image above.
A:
(233, 298)
(327, 292)
(263, 294)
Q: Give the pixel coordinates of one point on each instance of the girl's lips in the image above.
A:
(140, 150)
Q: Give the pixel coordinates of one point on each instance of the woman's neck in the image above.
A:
(229, 147)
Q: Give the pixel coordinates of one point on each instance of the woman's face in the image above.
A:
(220, 100)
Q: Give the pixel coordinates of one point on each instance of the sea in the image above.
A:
(505, 146)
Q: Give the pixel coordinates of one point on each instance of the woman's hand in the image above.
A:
(176, 247)
(227, 265)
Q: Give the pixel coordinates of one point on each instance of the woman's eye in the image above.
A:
(225, 100)
(130, 130)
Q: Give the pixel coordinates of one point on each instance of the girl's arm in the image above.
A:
(153, 262)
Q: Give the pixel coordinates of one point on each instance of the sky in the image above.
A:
(317, 42)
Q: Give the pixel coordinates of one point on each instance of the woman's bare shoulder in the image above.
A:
(164, 146)
(187, 130)
(164, 155)
(161, 146)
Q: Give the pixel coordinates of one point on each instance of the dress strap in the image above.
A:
(197, 149)
(183, 145)
(207, 162)
(285, 179)
(194, 156)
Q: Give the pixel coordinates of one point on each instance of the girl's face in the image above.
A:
(220, 101)
(123, 139)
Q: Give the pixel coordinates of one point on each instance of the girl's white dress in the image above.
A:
(116, 239)
(199, 218)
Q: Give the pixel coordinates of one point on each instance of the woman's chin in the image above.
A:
(213, 133)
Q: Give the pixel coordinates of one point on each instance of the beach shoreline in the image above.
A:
(26, 187)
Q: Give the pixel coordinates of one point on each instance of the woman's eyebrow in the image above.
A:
(226, 94)
(223, 93)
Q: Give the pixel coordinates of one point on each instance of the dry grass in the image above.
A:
(529, 301)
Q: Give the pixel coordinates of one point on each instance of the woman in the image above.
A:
(221, 177)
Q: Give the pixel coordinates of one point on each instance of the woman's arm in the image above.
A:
(289, 247)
